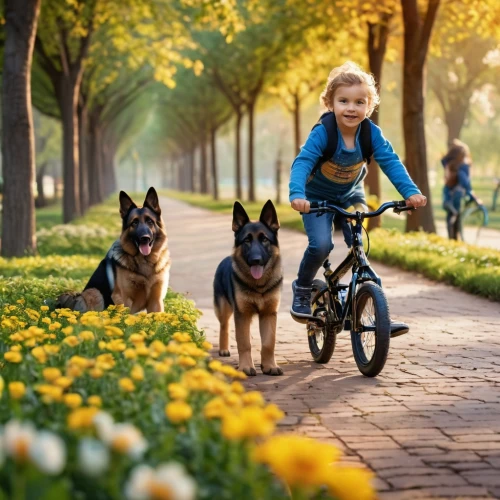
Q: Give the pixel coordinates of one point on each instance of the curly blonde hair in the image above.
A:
(344, 76)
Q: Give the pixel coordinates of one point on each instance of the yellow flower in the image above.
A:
(131, 320)
(2, 385)
(346, 483)
(253, 398)
(86, 335)
(72, 400)
(181, 337)
(63, 382)
(81, 361)
(113, 331)
(72, 341)
(126, 384)
(215, 408)
(48, 321)
(116, 345)
(207, 345)
(186, 361)
(51, 349)
(82, 418)
(20, 301)
(94, 401)
(17, 390)
(298, 460)
(105, 361)
(68, 330)
(129, 353)
(13, 357)
(74, 371)
(51, 374)
(161, 368)
(178, 411)
(16, 337)
(96, 373)
(49, 392)
(55, 326)
(44, 308)
(136, 338)
(177, 391)
(142, 350)
(272, 412)
(137, 373)
(237, 387)
(16, 348)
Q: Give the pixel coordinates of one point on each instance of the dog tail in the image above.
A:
(90, 299)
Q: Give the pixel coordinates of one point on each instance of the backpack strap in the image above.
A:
(365, 140)
(330, 123)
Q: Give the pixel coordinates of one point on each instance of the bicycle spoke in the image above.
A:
(368, 336)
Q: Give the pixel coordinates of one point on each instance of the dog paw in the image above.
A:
(224, 353)
(274, 371)
(251, 372)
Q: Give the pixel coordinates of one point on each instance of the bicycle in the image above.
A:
(472, 214)
(360, 306)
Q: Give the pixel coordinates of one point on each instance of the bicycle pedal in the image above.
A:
(398, 329)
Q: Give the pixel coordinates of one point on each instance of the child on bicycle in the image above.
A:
(457, 184)
(351, 95)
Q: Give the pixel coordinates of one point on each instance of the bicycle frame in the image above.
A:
(356, 260)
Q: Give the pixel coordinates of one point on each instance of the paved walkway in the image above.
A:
(428, 425)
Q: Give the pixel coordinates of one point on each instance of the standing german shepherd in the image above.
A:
(135, 272)
(249, 283)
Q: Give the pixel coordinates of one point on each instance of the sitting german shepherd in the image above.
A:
(249, 283)
(135, 272)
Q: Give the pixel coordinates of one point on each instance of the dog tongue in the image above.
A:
(257, 272)
(145, 249)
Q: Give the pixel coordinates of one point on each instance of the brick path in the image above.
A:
(428, 426)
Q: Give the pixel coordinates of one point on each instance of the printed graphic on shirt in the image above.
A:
(341, 175)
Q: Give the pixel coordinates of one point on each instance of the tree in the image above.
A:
(18, 214)
(417, 33)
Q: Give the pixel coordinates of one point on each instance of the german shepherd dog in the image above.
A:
(249, 283)
(135, 271)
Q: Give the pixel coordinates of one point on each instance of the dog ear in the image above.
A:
(126, 204)
(269, 217)
(240, 217)
(152, 202)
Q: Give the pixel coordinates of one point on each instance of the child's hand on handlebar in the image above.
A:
(416, 200)
(301, 205)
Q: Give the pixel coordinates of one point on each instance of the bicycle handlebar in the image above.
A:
(321, 207)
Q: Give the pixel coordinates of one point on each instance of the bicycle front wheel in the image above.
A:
(371, 333)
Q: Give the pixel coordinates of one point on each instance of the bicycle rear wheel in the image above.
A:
(474, 217)
(371, 333)
(321, 339)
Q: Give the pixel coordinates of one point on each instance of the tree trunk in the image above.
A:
(251, 162)
(203, 164)
(278, 176)
(377, 45)
(296, 122)
(455, 116)
(40, 199)
(213, 160)
(67, 95)
(18, 155)
(191, 176)
(417, 33)
(95, 167)
(83, 158)
(237, 164)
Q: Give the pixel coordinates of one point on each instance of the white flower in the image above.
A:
(48, 452)
(128, 439)
(104, 424)
(173, 476)
(137, 487)
(167, 481)
(93, 457)
(18, 438)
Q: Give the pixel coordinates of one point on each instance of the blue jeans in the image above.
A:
(452, 199)
(319, 233)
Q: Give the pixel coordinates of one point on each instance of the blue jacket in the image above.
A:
(341, 178)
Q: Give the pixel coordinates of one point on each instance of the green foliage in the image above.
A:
(474, 269)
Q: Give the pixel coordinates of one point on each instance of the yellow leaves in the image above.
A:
(198, 67)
